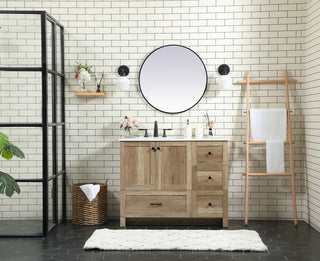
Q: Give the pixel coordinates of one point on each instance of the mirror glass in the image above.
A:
(173, 79)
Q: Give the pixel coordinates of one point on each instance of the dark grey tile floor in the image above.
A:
(66, 243)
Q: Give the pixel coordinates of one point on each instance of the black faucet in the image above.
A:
(155, 129)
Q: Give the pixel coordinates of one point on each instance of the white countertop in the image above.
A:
(214, 138)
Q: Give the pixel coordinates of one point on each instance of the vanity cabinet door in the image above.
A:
(138, 169)
(174, 159)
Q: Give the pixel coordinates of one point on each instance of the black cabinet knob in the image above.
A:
(154, 149)
(210, 204)
(158, 148)
(209, 152)
(209, 177)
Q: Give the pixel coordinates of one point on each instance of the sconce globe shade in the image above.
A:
(225, 82)
(123, 83)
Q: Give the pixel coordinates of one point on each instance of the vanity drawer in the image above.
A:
(156, 205)
(208, 177)
(207, 205)
(209, 154)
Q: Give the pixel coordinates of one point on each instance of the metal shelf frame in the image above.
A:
(48, 25)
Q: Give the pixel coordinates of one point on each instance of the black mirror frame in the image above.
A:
(206, 85)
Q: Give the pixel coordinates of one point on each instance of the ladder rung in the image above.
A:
(266, 81)
(264, 143)
(269, 174)
(246, 111)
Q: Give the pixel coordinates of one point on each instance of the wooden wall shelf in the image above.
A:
(89, 94)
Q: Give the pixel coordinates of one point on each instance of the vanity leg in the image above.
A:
(122, 222)
(225, 222)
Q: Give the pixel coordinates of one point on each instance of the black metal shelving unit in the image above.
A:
(57, 75)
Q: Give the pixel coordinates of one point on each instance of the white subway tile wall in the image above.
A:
(310, 115)
(265, 37)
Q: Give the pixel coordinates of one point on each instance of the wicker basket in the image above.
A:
(85, 212)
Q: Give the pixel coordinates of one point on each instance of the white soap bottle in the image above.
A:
(188, 131)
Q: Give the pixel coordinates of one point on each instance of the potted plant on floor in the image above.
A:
(8, 185)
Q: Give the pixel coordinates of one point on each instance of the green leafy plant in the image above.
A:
(8, 185)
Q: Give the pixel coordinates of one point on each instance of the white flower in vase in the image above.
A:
(84, 78)
(82, 74)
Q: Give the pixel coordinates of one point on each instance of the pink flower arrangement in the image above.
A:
(127, 124)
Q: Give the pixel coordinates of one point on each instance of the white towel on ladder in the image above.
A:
(275, 156)
(270, 125)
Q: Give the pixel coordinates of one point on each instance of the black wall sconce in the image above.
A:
(225, 81)
(123, 81)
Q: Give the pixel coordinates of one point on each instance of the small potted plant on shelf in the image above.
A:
(128, 124)
(82, 74)
(8, 185)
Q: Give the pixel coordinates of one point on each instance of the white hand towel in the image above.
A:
(90, 190)
(275, 156)
(270, 125)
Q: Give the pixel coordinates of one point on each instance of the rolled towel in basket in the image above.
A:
(90, 190)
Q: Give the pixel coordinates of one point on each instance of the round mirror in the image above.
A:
(173, 79)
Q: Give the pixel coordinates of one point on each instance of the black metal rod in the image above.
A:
(25, 124)
(55, 72)
(21, 124)
(52, 177)
(24, 236)
(49, 17)
(61, 172)
(44, 75)
(21, 69)
(28, 180)
(56, 124)
(53, 20)
(64, 192)
(20, 12)
(54, 128)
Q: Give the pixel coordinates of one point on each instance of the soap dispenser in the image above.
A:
(188, 131)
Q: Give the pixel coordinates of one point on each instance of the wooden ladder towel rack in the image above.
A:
(284, 81)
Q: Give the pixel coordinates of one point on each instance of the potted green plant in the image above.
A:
(8, 185)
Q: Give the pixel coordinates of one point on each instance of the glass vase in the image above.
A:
(128, 133)
(83, 86)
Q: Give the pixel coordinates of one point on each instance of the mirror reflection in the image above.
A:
(173, 79)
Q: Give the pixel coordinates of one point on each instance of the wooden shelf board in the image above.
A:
(90, 93)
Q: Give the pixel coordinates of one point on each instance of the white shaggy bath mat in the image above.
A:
(146, 239)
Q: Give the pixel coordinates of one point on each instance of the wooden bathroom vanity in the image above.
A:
(174, 178)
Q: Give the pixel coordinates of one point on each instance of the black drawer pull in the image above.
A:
(209, 153)
(158, 148)
(209, 177)
(210, 204)
(154, 149)
(156, 204)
